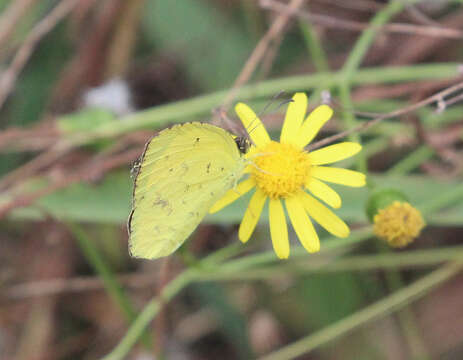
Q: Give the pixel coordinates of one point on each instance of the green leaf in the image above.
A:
(109, 201)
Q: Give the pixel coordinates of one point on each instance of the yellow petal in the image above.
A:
(278, 229)
(312, 125)
(324, 192)
(333, 153)
(339, 176)
(324, 216)
(252, 124)
(233, 194)
(293, 119)
(302, 224)
(252, 215)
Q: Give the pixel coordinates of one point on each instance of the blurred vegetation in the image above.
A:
(110, 74)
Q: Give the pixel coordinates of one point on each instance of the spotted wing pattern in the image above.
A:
(183, 172)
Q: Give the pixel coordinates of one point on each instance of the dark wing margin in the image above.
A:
(136, 173)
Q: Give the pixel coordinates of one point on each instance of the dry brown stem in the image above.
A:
(420, 17)
(359, 5)
(90, 170)
(414, 49)
(438, 97)
(123, 40)
(259, 51)
(9, 76)
(78, 284)
(372, 92)
(329, 21)
(11, 16)
(40, 161)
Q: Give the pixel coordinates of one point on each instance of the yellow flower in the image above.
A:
(398, 224)
(284, 172)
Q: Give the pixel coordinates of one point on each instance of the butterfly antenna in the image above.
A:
(278, 107)
(226, 121)
(270, 102)
(249, 128)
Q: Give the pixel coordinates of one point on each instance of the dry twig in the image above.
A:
(11, 16)
(359, 5)
(414, 49)
(336, 23)
(72, 285)
(432, 99)
(109, 163)
(92, 169)
(8, 78)
(372, 92)
(421, 17)
(55, 152)
(259, 51)
(453, 100)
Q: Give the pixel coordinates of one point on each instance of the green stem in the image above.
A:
(187, 110)
(409, 259)
(352, 64)
(350, 121)
(249, 262)
(147, 315)
(182, 280)
(224, 253)
(110, 282)
(411, 161)
(379, 309)
(406, 316)
(443, 199)
(366, 38)
(315, 49)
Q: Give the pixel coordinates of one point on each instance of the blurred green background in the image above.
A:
(92, 81)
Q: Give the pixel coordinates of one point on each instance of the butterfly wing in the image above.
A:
(184, 171)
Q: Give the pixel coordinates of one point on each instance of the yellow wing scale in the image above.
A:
(184, 171)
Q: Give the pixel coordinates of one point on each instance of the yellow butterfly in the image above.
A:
(184, 170)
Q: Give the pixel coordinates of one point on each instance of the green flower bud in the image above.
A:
(382, 198)
(394, 219)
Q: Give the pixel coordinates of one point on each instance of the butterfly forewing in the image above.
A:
(184, 171)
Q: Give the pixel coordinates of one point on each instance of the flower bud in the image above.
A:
(394, 219)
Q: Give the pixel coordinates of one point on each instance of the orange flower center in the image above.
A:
(280, 170)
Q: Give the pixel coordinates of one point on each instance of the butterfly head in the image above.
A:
(243, 144)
